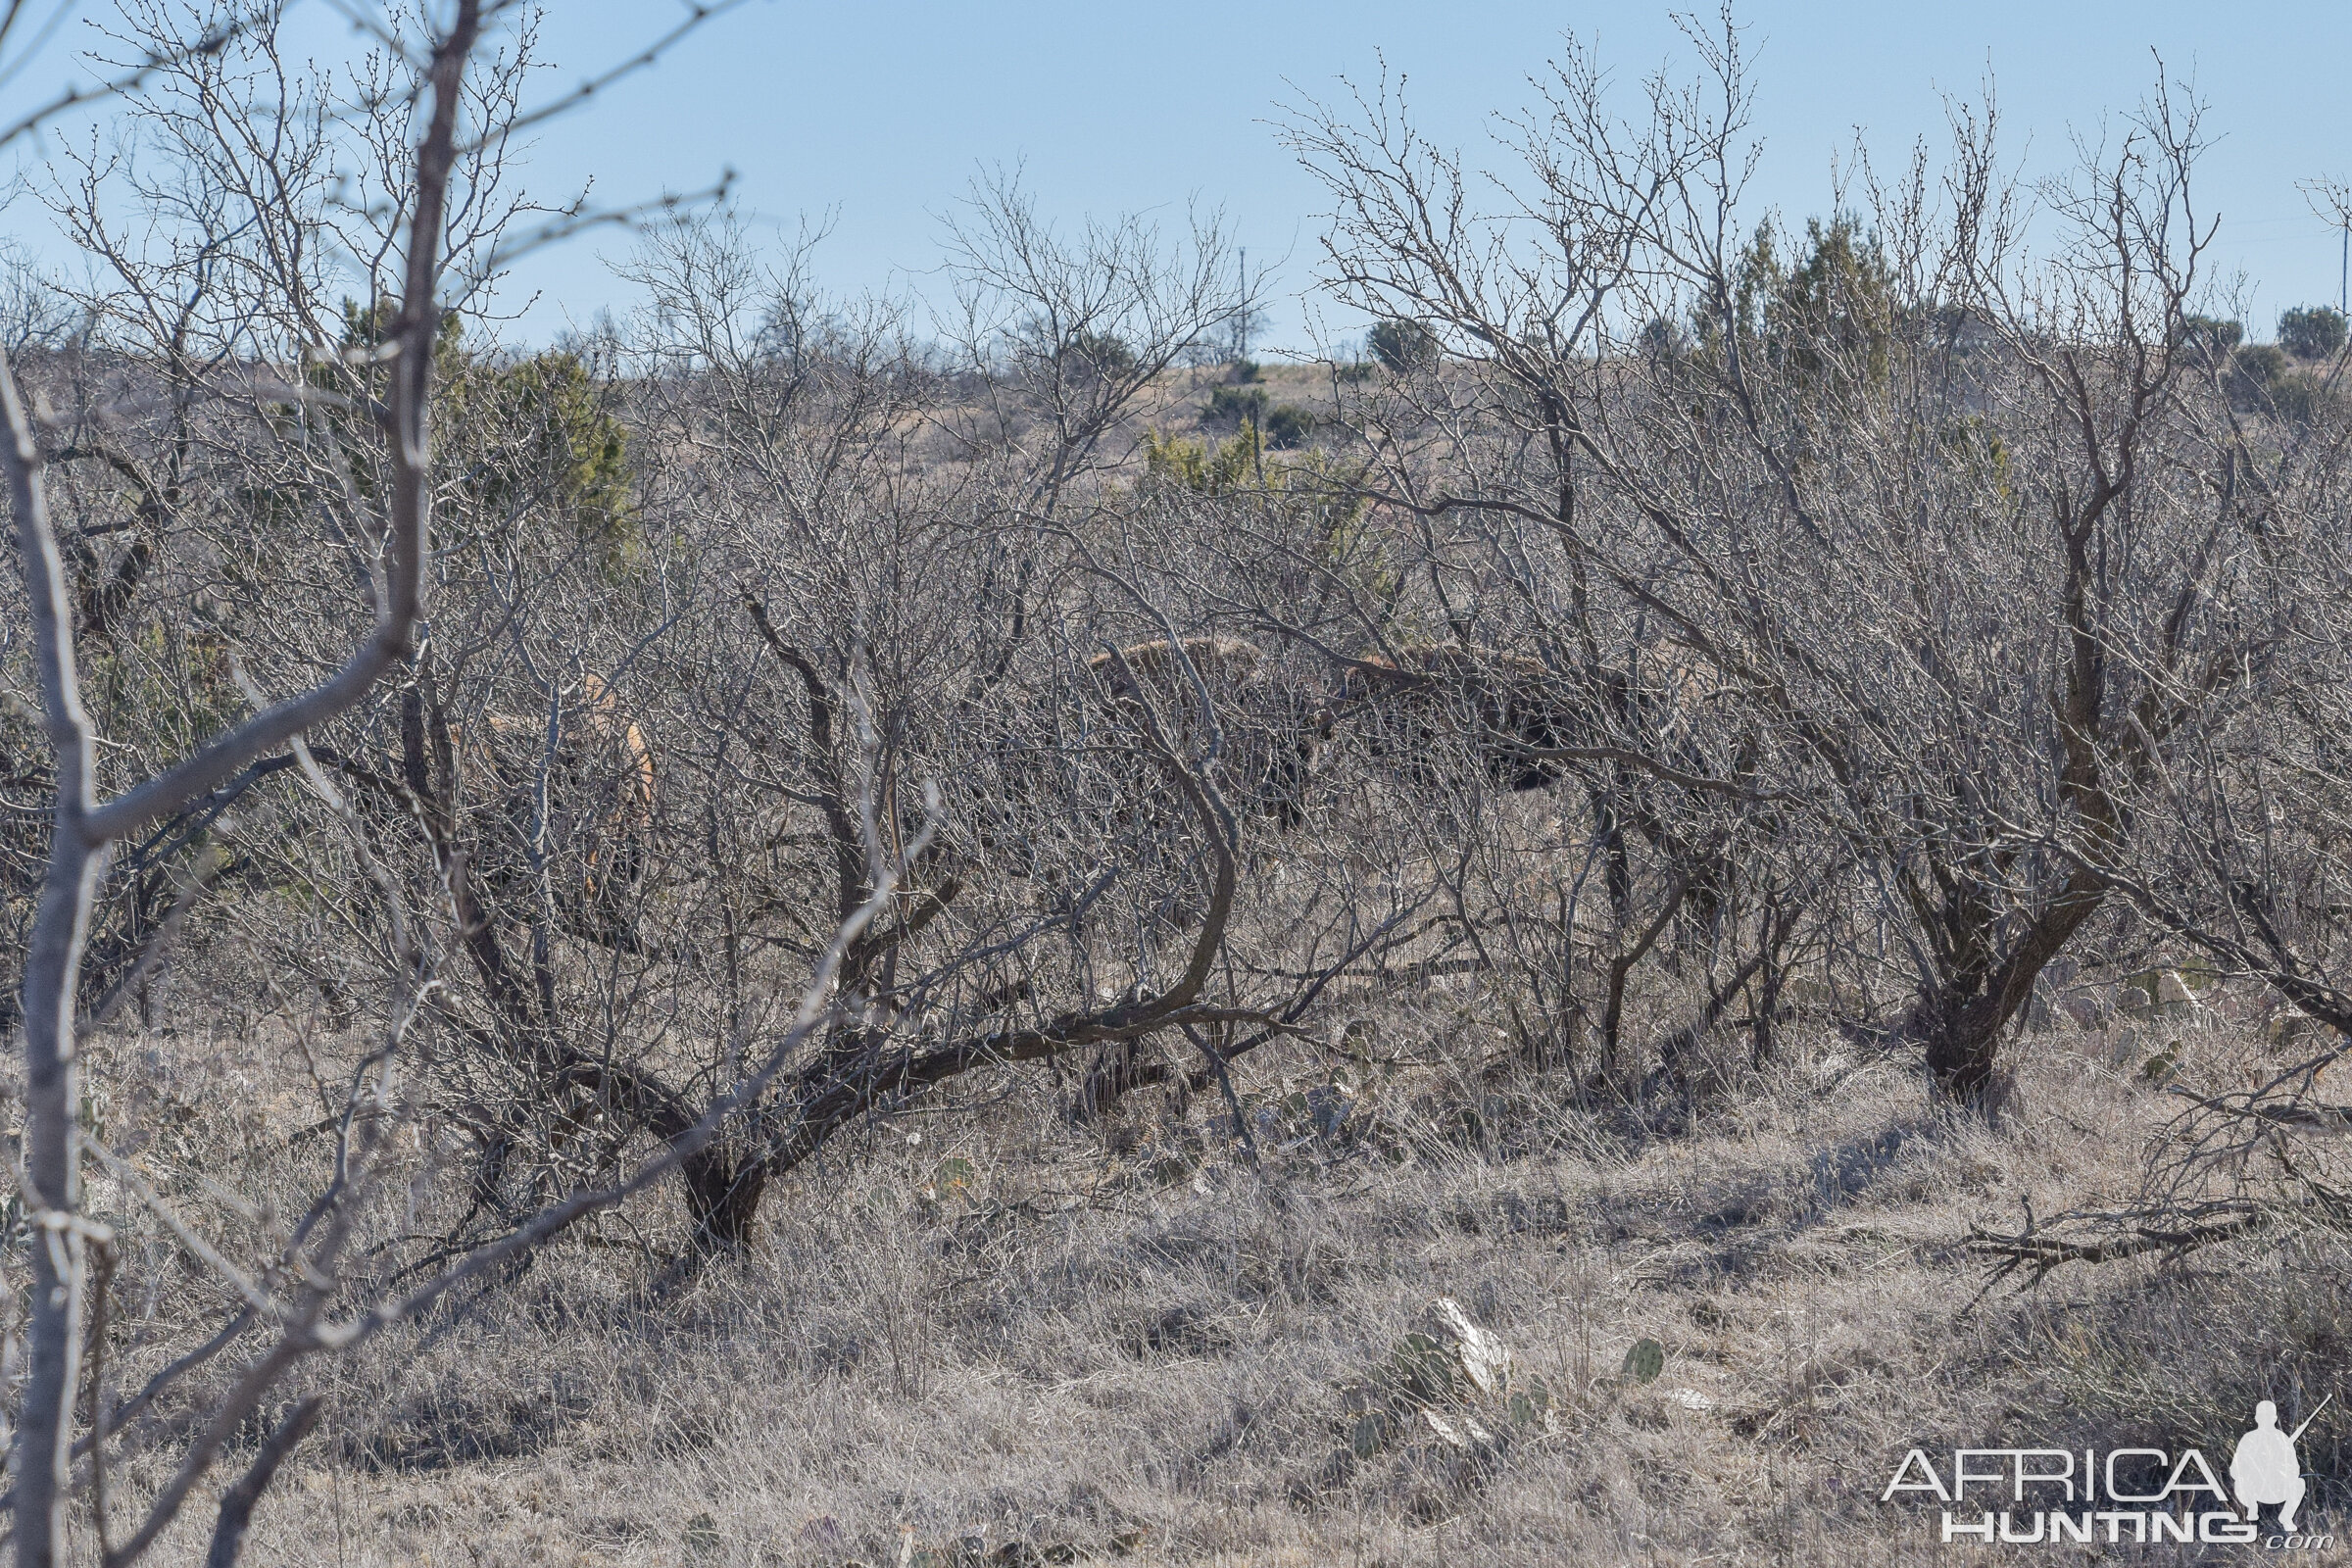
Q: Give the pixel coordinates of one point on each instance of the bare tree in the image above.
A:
(1820, 502)
(841, 638)
(224, 313)
(85, 827)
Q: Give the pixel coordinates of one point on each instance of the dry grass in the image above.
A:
(993, 1338)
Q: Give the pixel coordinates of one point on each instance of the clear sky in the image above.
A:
(877, 114)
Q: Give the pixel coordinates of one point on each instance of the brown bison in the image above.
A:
(1273, 732)
(1509, 709)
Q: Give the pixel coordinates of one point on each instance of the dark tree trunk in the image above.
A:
(1963, 1040)
(1617, 871)
(723, 1189)
(1961, 1023)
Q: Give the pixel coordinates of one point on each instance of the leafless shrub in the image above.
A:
(1713, 664)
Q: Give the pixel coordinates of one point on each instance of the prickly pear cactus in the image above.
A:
(1455, 1381)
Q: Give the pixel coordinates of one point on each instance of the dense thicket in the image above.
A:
(1676, 629)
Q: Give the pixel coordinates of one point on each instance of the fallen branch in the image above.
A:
(2043, 1255)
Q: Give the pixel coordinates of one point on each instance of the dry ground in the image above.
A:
(995, 1339)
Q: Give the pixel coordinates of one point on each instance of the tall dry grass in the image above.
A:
(984, 1336)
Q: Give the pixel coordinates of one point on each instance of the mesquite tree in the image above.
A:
(1935, 523)
(215, 397)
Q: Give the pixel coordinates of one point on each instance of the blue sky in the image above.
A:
(878, 113)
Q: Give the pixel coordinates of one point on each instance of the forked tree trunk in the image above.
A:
(1963, 1041)
(723, 1188)
(1961, 1024)
(41, 1460)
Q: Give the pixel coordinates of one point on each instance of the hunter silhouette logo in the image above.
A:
(2122, 1495)
(2265, 1469)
